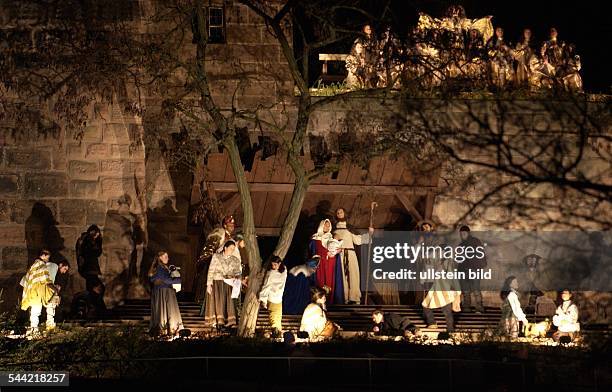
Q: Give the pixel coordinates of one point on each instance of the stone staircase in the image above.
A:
(352, 318)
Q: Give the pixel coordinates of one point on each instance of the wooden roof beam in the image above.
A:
(429, 205)
(405, 200)
(327, 188)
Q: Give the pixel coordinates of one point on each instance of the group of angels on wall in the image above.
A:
(457, 49)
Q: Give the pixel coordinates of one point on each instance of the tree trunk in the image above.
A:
(250, 307)
(295, 207)
(248, 318)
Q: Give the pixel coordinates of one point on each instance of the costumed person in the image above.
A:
(523, 54)
(38, 292)
(444, 294)
(421, 286)
(426, 59)
(390, 65)
(566, 317)
(442, 43)
(329, 273)
(370, 46)
(271, 294)
(456, 21)
(569, 73)
(500, 60)
(59, 276)
(88, 250)
(453, 27)
(542, 74)
(531, 274)
(224, 270)
(89, 305)
(355, 64)
(474, 67)
(314, 321)
(348, 256)
(554, 49)
(214, 244)
(298, 288)
(165, 313)
(392, 324)
(471, 287)
(511, 308)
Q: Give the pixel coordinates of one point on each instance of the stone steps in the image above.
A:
(353, 318)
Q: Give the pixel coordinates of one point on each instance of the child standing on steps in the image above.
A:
(271, 294)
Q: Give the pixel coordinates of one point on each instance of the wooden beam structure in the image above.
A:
(409, 206)
(232, 204)
(429, 204)
(326, 188)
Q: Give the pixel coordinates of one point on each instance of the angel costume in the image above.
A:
(455, 25)
(568, 74)
(356, 67)
(523, 53)
(500, 59)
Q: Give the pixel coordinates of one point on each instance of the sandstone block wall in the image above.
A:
(52, 187)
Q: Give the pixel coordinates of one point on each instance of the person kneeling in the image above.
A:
(314, 320)
(566, 318)
(392, 324)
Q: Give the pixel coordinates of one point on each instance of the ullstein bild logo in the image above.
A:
(544, 260)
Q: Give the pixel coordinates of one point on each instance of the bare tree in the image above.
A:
(55, 68)
(543, 162)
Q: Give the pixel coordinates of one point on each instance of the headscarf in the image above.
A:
(322, 236)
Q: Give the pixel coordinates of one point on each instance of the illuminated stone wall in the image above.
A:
(52, 187)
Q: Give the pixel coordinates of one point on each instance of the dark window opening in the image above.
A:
(216, 25)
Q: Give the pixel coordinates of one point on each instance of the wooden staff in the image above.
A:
(372, 206)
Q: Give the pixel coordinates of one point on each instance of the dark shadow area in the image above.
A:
(122, 233)
(41, 232)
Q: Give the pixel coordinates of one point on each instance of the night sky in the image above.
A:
(584, 23)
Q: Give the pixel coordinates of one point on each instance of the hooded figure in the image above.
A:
(329, 273)
(88, 249)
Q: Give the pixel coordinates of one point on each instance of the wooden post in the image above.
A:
(429, 205)
(372, 206)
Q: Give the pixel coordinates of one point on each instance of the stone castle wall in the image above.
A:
(53, 186)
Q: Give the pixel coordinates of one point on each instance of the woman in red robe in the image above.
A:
(329, 272)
